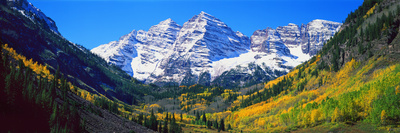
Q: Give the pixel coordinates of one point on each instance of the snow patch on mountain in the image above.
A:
(206, 45)
(139, 52)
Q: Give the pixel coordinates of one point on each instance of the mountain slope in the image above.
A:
(49, 84)
(139, 52)
(34, 101)
(34, 38)
(206, 46)
(353, 80)
(33, 13)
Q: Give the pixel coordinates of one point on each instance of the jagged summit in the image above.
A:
(205, 15)
(204, 45)
(205, 18)
(168, 21)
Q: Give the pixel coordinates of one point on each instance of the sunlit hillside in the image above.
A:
(323, 93)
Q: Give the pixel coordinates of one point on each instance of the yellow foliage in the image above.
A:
(219, 115)
(383, 117)
(382, 72)
(345, 71)
(192, 86)
(37, 68)
(384, 27)
(307, 119)
(44, 72)
(315, 116)
(336, 115)
(370, 11)
(260, 122)
(350, 78)
(155, 106)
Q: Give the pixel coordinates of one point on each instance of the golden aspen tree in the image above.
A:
(307, 119)
(336, 115)
(383, 117)
(315, 116)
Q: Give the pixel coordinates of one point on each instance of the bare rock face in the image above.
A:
(268, 41)
(310, 37)
(316, 33)
(290, 35)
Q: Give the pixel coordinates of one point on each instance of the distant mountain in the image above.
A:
(274, 52)
(206, 51)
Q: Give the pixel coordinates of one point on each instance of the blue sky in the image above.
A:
(94, 22)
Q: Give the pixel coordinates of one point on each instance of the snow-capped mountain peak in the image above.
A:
(201, 41)
(206, 46)
(166, 22)
(204, 15)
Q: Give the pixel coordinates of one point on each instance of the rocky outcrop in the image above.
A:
(316, 33)
(33, 13)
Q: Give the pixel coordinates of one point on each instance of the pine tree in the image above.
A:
(146, 122)
(140, 119)
(360, 48)
(165, 129)
(53, 117)
(134, 102)
(215, 124)
(153, 121)
(197, 116)
(159, 127)
(181, 117)
(172, 124)
(362, 35)
(204, 118)
(398, 9)
(222, 125)
(209, 124)
(229, 127)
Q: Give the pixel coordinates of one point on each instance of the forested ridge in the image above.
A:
(354, 80)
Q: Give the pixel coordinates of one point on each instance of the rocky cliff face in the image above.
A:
(33, 13)
(309, 37)
(268, 41)
(205, 49)
(302, 42)
(316, 33)
(202, 40)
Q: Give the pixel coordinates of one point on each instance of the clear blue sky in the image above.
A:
(94, 22)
